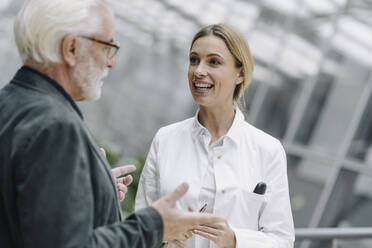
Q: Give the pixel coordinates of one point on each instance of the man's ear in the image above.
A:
(69, 50)
(240, 78)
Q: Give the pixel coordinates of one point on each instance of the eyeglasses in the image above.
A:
(114, 47)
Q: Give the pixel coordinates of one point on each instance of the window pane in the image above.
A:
(361, 147)
(331, 108)
(278, 106)
(304, 190)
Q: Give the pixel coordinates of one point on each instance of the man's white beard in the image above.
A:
(88, 77)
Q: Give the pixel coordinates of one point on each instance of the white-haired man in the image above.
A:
(56, 188)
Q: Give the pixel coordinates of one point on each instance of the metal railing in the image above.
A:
(333, 234)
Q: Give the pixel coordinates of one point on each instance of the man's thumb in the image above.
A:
(177, 193)
(103, 151)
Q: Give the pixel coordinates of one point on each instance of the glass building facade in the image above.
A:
(311, 88)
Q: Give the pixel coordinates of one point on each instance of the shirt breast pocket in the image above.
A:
(246, 209)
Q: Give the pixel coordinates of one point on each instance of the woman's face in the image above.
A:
(212, 74)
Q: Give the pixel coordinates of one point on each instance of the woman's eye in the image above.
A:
(214, 62)
(194, 60)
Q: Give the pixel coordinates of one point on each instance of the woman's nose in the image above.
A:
(200, 70)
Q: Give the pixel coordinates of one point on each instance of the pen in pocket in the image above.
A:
(260, 188)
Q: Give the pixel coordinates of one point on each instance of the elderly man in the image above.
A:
(56, 188)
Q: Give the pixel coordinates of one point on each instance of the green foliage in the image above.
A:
(112, 156)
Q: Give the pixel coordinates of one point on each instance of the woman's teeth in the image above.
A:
(203, 86)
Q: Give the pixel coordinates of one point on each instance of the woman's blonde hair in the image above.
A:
(237, 46)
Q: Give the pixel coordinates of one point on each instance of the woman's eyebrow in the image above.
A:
(214, 54)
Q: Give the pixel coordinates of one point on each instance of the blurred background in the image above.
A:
(311, 88)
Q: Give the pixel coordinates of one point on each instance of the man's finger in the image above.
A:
(177, 193)
(121, 170)
(127, 180)
(121, 196)
(122, 187)
(103, 151)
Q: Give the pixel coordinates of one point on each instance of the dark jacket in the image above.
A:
(56, 189)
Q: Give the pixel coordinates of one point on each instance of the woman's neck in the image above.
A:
(217, 120)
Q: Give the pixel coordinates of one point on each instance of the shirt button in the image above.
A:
(223, 191)
(219, 156)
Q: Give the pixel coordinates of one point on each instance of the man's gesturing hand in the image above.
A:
(122, 182)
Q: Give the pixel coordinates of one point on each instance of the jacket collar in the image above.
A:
(233, 134)
(30, 78)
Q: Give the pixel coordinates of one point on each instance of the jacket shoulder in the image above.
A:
(28, 113)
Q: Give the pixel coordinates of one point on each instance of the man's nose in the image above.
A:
(111, 62)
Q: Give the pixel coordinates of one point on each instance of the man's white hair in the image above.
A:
(41, 25)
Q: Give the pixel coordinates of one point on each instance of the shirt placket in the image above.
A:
(216, 158)
(212, 157)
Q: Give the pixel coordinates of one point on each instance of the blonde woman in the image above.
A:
(220, 155)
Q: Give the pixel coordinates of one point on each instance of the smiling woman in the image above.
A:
(231, 45)
(213, 74)
(220, 155)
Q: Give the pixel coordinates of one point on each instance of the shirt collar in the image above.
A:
(234, 132)
(197, 128)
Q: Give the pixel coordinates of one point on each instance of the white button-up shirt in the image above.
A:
(224, 176)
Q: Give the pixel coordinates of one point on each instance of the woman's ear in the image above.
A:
(69, 50)
(240, 77)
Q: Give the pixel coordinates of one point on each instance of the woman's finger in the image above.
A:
(188, 235)
(185, 236)
(217, 225)
(206, 235)
(178, 244)
(207, 229)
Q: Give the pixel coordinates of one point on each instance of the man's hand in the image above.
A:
(176, 222)
(122, 182)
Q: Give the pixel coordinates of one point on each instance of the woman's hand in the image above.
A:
(178, 242)
(220, 233)
(185, 236)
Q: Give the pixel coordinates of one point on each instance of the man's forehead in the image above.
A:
(107, 21)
